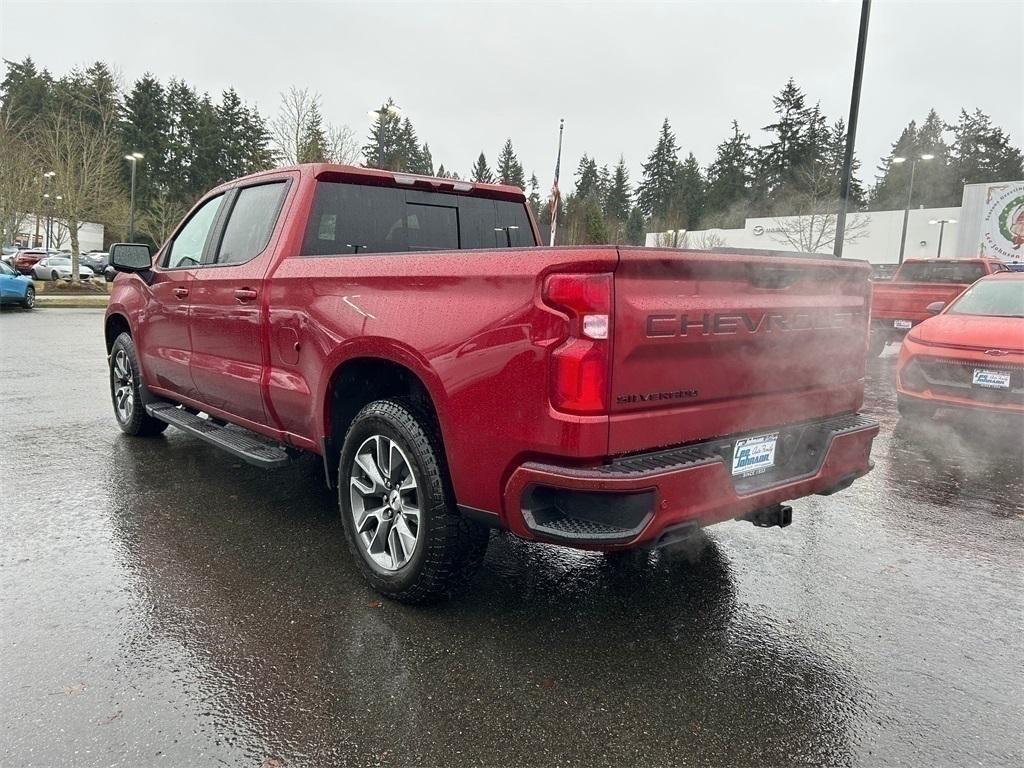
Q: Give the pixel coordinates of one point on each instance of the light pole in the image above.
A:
(42, 181)
(942, 228)
(133, 158)
(851, 130)
(910, 194)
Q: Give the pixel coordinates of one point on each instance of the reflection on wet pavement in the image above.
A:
(162, 602)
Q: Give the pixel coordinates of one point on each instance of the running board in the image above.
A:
(246, 445)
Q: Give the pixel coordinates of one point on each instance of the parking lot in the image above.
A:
(163, 603)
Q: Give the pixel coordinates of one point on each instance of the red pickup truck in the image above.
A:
(454, 376)
(899, 304)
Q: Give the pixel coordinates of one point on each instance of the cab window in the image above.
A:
(186, 250)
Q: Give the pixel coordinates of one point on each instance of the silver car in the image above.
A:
(58, 268)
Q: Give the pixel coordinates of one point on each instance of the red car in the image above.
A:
(897, 305)
(454, 376)
(24, 260)
(970, 355)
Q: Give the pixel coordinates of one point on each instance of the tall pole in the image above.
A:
(942, 228)
(906, 210)
(851, 133)
(554, 189)
(131, 208)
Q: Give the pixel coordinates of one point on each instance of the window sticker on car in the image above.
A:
(754, 454)
(903, 325)
(991, 379)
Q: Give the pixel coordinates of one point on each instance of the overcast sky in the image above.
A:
(471, 74)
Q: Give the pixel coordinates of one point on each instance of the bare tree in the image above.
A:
(707, 240)
(809, 225)
(297, 118)
(83, 159)
(160, 218)
(21, 179)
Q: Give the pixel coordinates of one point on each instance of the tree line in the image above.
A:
(65, 138)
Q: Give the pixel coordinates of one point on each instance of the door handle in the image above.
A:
(243, 295)
(181, 293)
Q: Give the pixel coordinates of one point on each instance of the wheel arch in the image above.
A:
(115, 324)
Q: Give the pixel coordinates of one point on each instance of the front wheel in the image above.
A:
(30, 298)
(126, 391)
(54, 275)
(400, 520)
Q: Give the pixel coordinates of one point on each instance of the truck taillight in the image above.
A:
(580, 366)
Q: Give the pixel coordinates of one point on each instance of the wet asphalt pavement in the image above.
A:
(163, 604)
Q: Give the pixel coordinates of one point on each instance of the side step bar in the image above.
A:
(248, 446)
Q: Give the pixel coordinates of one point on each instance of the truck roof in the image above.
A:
(377, 177)
(947, 260)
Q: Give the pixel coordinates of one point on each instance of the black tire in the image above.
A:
(449, 548)
(30, 298)
(54, 275)
(132, 420)
(876, 344)
(912, 409)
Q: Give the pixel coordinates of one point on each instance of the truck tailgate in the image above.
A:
(910, 300)
(712, 344)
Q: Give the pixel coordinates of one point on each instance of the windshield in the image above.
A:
(993, 298)
(941, 272)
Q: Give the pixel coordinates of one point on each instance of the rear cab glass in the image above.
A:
(941, 272)
(358, 219)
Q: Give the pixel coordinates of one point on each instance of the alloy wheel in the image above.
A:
(385, 502)
(124, 391)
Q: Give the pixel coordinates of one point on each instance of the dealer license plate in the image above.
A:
(754, 454)
(903, 325)
(991, 379)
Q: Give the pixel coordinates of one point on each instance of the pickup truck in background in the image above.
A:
(898, 304)
(455, 377)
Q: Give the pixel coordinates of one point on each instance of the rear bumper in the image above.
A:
(640, 500)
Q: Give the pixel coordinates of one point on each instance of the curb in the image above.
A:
(71, 302)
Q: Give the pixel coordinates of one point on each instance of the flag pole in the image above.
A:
(554, 188)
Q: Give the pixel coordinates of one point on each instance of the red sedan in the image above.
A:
(970, 355)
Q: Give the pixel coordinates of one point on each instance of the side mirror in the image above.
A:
(935, 307)
(131, 257)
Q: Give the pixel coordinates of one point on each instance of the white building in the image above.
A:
(989, 222)
(53, 233)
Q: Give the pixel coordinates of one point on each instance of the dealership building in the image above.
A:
(989, 222)
(46, 232)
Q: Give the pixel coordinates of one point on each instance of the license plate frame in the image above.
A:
(990, 379)
(902, 325)
(754, 455)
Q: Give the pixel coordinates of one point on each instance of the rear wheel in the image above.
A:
(913, 409)
(126, 391)
(400, 519)
(30, 298)
(54, 275)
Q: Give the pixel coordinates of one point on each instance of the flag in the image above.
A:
(555, 197)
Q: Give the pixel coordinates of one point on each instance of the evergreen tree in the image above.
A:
(982, 151)
(534, 197)
(729, 179)
(595, 231)
(386, 142)
(409, 157)
(780, 162)
(255, 142)
(618, 200)
(182, 108)
(442, 173)
(510, 170)
(426, 160)
(145, 129)
(654, 192)
(481, 172)
(604, 182)
(25, 91)
(587, 178)
(688, 193)
(231, 116)
(636, 227)
(833, 160)
(313, 144)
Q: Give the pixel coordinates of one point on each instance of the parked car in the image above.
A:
(95, 260)
(969, 355)
(597, 397)
(58, 268)
(899, 304)
(1015, 266)
(16, 288)
(27, 258)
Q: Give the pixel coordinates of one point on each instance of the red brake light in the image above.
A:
(580, 366)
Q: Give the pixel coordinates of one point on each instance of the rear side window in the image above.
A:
(357, 219)
(251, 223)
(941, 272)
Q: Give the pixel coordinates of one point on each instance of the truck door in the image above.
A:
(164, 347)
(227, 314)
